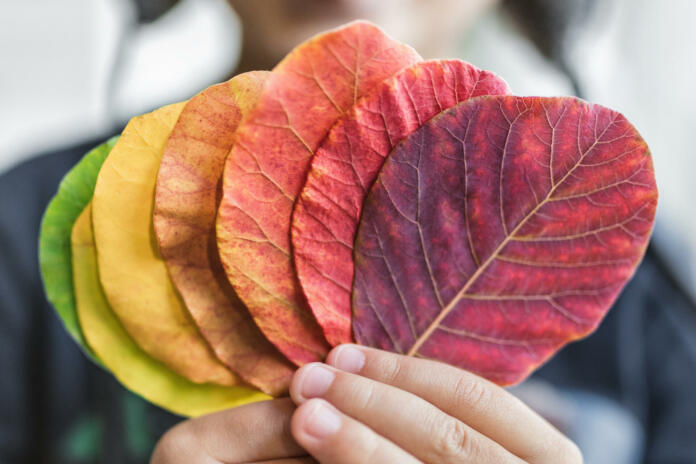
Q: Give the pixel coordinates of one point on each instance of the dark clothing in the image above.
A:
(643, 356)
(56, 406)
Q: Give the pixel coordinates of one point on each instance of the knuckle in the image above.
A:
(471, 391)
(368, 396)
(371, 451)
(391, 369)
(454, 440)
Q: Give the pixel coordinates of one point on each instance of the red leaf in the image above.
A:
(500, 231)
(328, 209)
(265, 170)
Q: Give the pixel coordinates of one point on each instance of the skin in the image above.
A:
(271, 28)
(370, 406)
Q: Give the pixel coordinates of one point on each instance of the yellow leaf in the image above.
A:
(132, 366)
(133, 275)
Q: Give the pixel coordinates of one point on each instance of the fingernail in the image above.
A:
(349, 359)
(317, 379)
(322, 421)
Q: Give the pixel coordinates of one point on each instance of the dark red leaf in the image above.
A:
(501, 230)
(326, 215)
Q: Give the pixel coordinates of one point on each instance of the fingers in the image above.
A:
(482, 405)
(255, 432)
(302, 460)
(335, 438)
(421, 429)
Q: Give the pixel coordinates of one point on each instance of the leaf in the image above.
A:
(132, 272)
(326, 215)
(501, 230)
(132, 366)
(313, 86)
(74, 193)
(184, 219)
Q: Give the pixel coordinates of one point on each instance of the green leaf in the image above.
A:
(74, 193)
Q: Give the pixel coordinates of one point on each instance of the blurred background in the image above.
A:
(76, 70)
(71, 70)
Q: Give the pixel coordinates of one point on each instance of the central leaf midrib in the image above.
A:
(494, 255)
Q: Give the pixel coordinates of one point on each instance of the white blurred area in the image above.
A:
(641, 57)
(57, 86)
(57, 58)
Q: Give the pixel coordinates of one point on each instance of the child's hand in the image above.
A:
(369, 406)
(257, 432)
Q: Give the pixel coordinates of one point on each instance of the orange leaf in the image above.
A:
(184, 219)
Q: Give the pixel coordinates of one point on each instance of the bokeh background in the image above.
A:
(71, 70)
(77, 70)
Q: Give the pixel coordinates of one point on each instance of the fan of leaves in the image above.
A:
(355, 193)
